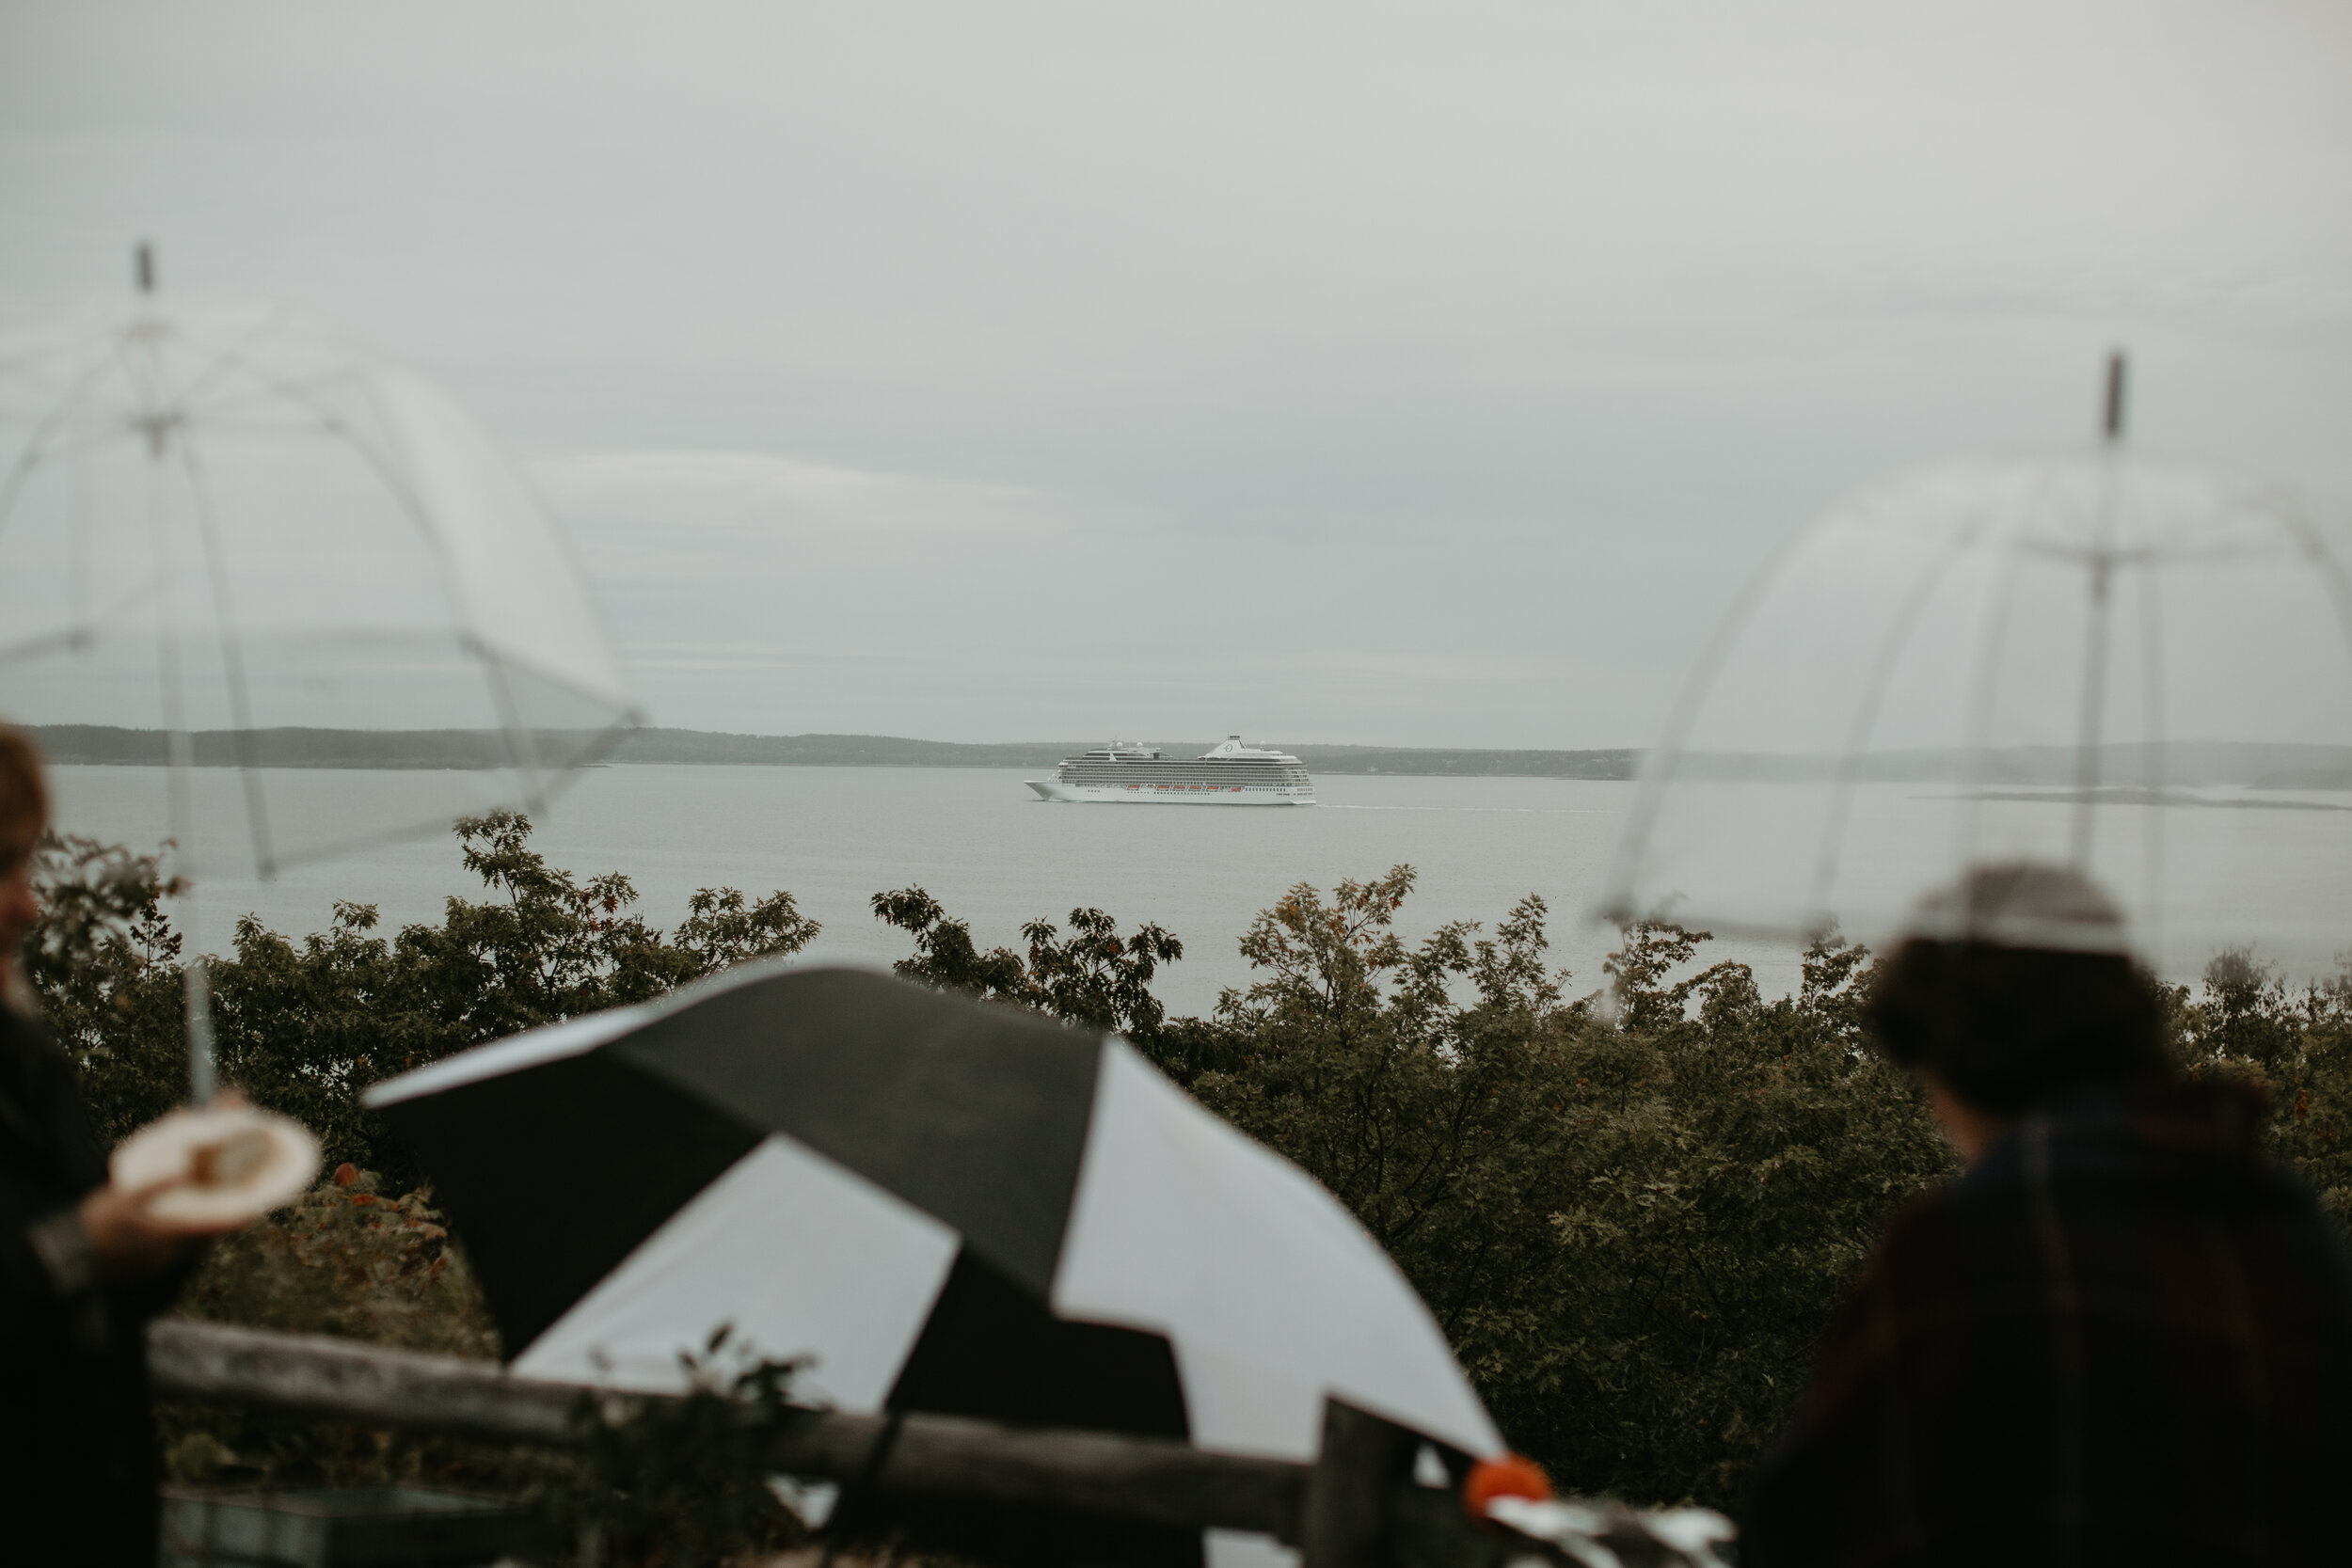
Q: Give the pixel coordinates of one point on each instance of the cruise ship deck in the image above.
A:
(1230, 774)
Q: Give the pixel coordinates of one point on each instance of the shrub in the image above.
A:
(303, 1026)
(1632, 1210)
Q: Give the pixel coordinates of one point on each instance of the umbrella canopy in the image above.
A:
(226, 522)
(951, 1205)
(2139, 667)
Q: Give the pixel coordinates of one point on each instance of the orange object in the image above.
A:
(1512, 1476)
(345, 1174)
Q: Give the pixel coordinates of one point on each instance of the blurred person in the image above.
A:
(2120, 1335)
(83, 1266)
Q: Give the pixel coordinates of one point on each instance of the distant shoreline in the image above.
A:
(2124, 766)
(102, 745)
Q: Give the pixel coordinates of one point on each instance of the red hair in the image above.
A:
(24, 794)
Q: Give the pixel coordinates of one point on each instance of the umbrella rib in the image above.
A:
(2323, 560)
(1975, 739)
(386, 470)
(1866, 714)
(2091, 723)
(517, 742)
(572, 559)
(413, 505)
(36, 445)
(73, 634)
(178, 758)
(2151, 709)
(79, 526)
(283, 387)
(298, 390)
(232, 353)
(35, 647)
(232, 658)
(1659, 768)
(521, 749)
(344, 844)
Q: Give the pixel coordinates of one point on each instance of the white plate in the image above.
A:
(261, 1161)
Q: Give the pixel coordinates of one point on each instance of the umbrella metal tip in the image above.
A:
(143, 266)
(2116, 375)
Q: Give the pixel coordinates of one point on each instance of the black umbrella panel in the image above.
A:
(946, 1205)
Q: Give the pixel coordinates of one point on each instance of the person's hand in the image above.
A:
(129, 1241)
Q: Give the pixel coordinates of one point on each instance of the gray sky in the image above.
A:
(1416, 375)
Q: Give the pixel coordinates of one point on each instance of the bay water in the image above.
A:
(996, 857)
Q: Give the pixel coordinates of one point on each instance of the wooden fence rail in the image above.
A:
(1159, 1480)
(1355, 1509)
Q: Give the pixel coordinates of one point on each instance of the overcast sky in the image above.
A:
(1423, 374)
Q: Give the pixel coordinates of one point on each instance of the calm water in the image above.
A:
(986, 847)
(995, 856)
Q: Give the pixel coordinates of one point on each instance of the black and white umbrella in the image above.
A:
(949, 1206)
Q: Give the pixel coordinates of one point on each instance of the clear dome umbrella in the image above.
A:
(2139, 667)
(223, 525)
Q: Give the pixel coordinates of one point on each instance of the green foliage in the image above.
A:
(1727, 1172)
(2296, 1045)
(1631, 1230)
(1093, 978)
(104, 963)
(351, 1260)
(1630, 1210)
(303, 1026)
(945, 954)
(685, 1484)
(722, 930)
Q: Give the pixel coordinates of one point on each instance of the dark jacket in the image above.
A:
(2122, 1337)
(77, 1460)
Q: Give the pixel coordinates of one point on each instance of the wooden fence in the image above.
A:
(1356, 1507)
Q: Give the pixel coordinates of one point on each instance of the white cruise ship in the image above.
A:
(1229, 775)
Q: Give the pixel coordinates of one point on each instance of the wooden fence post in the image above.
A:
(1348, 1518)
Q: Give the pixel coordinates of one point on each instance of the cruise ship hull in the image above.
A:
(1169, 794)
